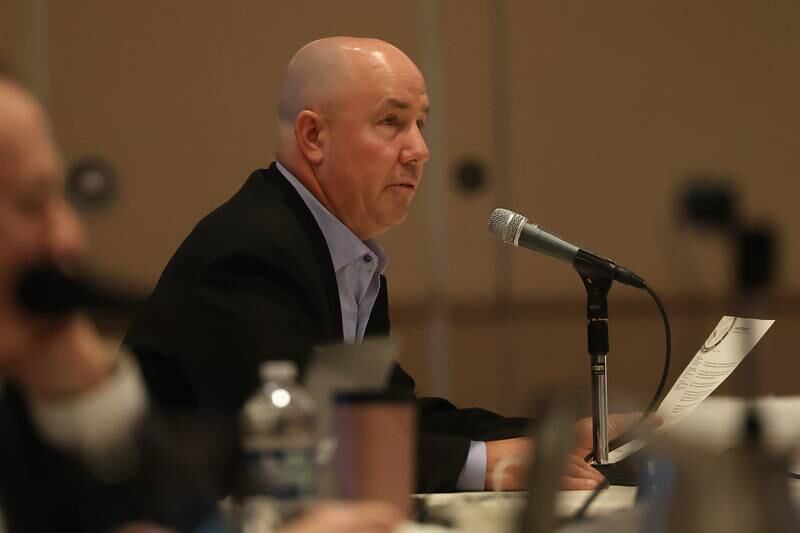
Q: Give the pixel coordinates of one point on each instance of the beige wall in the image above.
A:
(609, 106)
(14, 35)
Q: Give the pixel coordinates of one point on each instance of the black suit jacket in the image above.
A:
(254, 281)
(45, 489)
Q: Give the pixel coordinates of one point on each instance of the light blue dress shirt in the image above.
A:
(358, 265)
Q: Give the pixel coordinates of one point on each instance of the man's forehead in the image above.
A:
(27, 153)
(21, 118)
(419, 103)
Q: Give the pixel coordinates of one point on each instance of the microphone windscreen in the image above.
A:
(505, 225)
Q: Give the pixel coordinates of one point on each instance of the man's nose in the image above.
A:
(66, 238)
(417, 149)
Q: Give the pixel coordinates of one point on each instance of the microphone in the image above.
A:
(513, 228)
(46, 290)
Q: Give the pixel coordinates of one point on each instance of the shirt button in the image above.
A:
(368, 258)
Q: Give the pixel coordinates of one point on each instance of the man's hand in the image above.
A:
(361, 517)
(618, 425)
(514, 456)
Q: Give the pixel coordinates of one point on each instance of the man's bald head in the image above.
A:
(26, 145)
(352, 111)
(323, 70)
(36, 223)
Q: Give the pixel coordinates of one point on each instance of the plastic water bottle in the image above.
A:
(278, 435)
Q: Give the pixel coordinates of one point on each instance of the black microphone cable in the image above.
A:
(581, 513)
(657, 397)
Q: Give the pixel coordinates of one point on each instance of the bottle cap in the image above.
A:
(278, 370)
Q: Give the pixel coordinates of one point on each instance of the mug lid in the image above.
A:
(372, 396)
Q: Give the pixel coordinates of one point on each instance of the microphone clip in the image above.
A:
(596, 267)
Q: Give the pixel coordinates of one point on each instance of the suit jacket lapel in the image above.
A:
(320, 248)
(379, 318)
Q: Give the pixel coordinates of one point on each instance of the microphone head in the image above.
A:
(506, 225)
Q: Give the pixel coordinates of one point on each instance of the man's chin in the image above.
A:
(397, 218)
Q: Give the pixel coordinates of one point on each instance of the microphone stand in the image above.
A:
(597, 288)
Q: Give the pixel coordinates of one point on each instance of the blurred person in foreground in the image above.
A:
(291, 261)
(80, 450)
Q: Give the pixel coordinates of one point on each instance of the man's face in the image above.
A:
(374, 151)
(36, 223)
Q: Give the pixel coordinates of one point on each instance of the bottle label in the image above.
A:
(285, 474)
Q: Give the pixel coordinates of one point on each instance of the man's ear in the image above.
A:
(309, 128)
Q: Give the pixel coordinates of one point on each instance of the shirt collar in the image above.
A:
(345, 247)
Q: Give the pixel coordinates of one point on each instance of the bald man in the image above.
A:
(291, 261)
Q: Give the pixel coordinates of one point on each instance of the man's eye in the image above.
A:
(421, 124)
(391, 120)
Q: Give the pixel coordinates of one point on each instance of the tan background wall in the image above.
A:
(589, 116)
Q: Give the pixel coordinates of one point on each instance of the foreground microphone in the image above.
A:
(47, 290)
(513, 228)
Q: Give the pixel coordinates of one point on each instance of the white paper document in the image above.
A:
(723, 350)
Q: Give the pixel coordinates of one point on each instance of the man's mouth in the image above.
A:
(409, 186)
